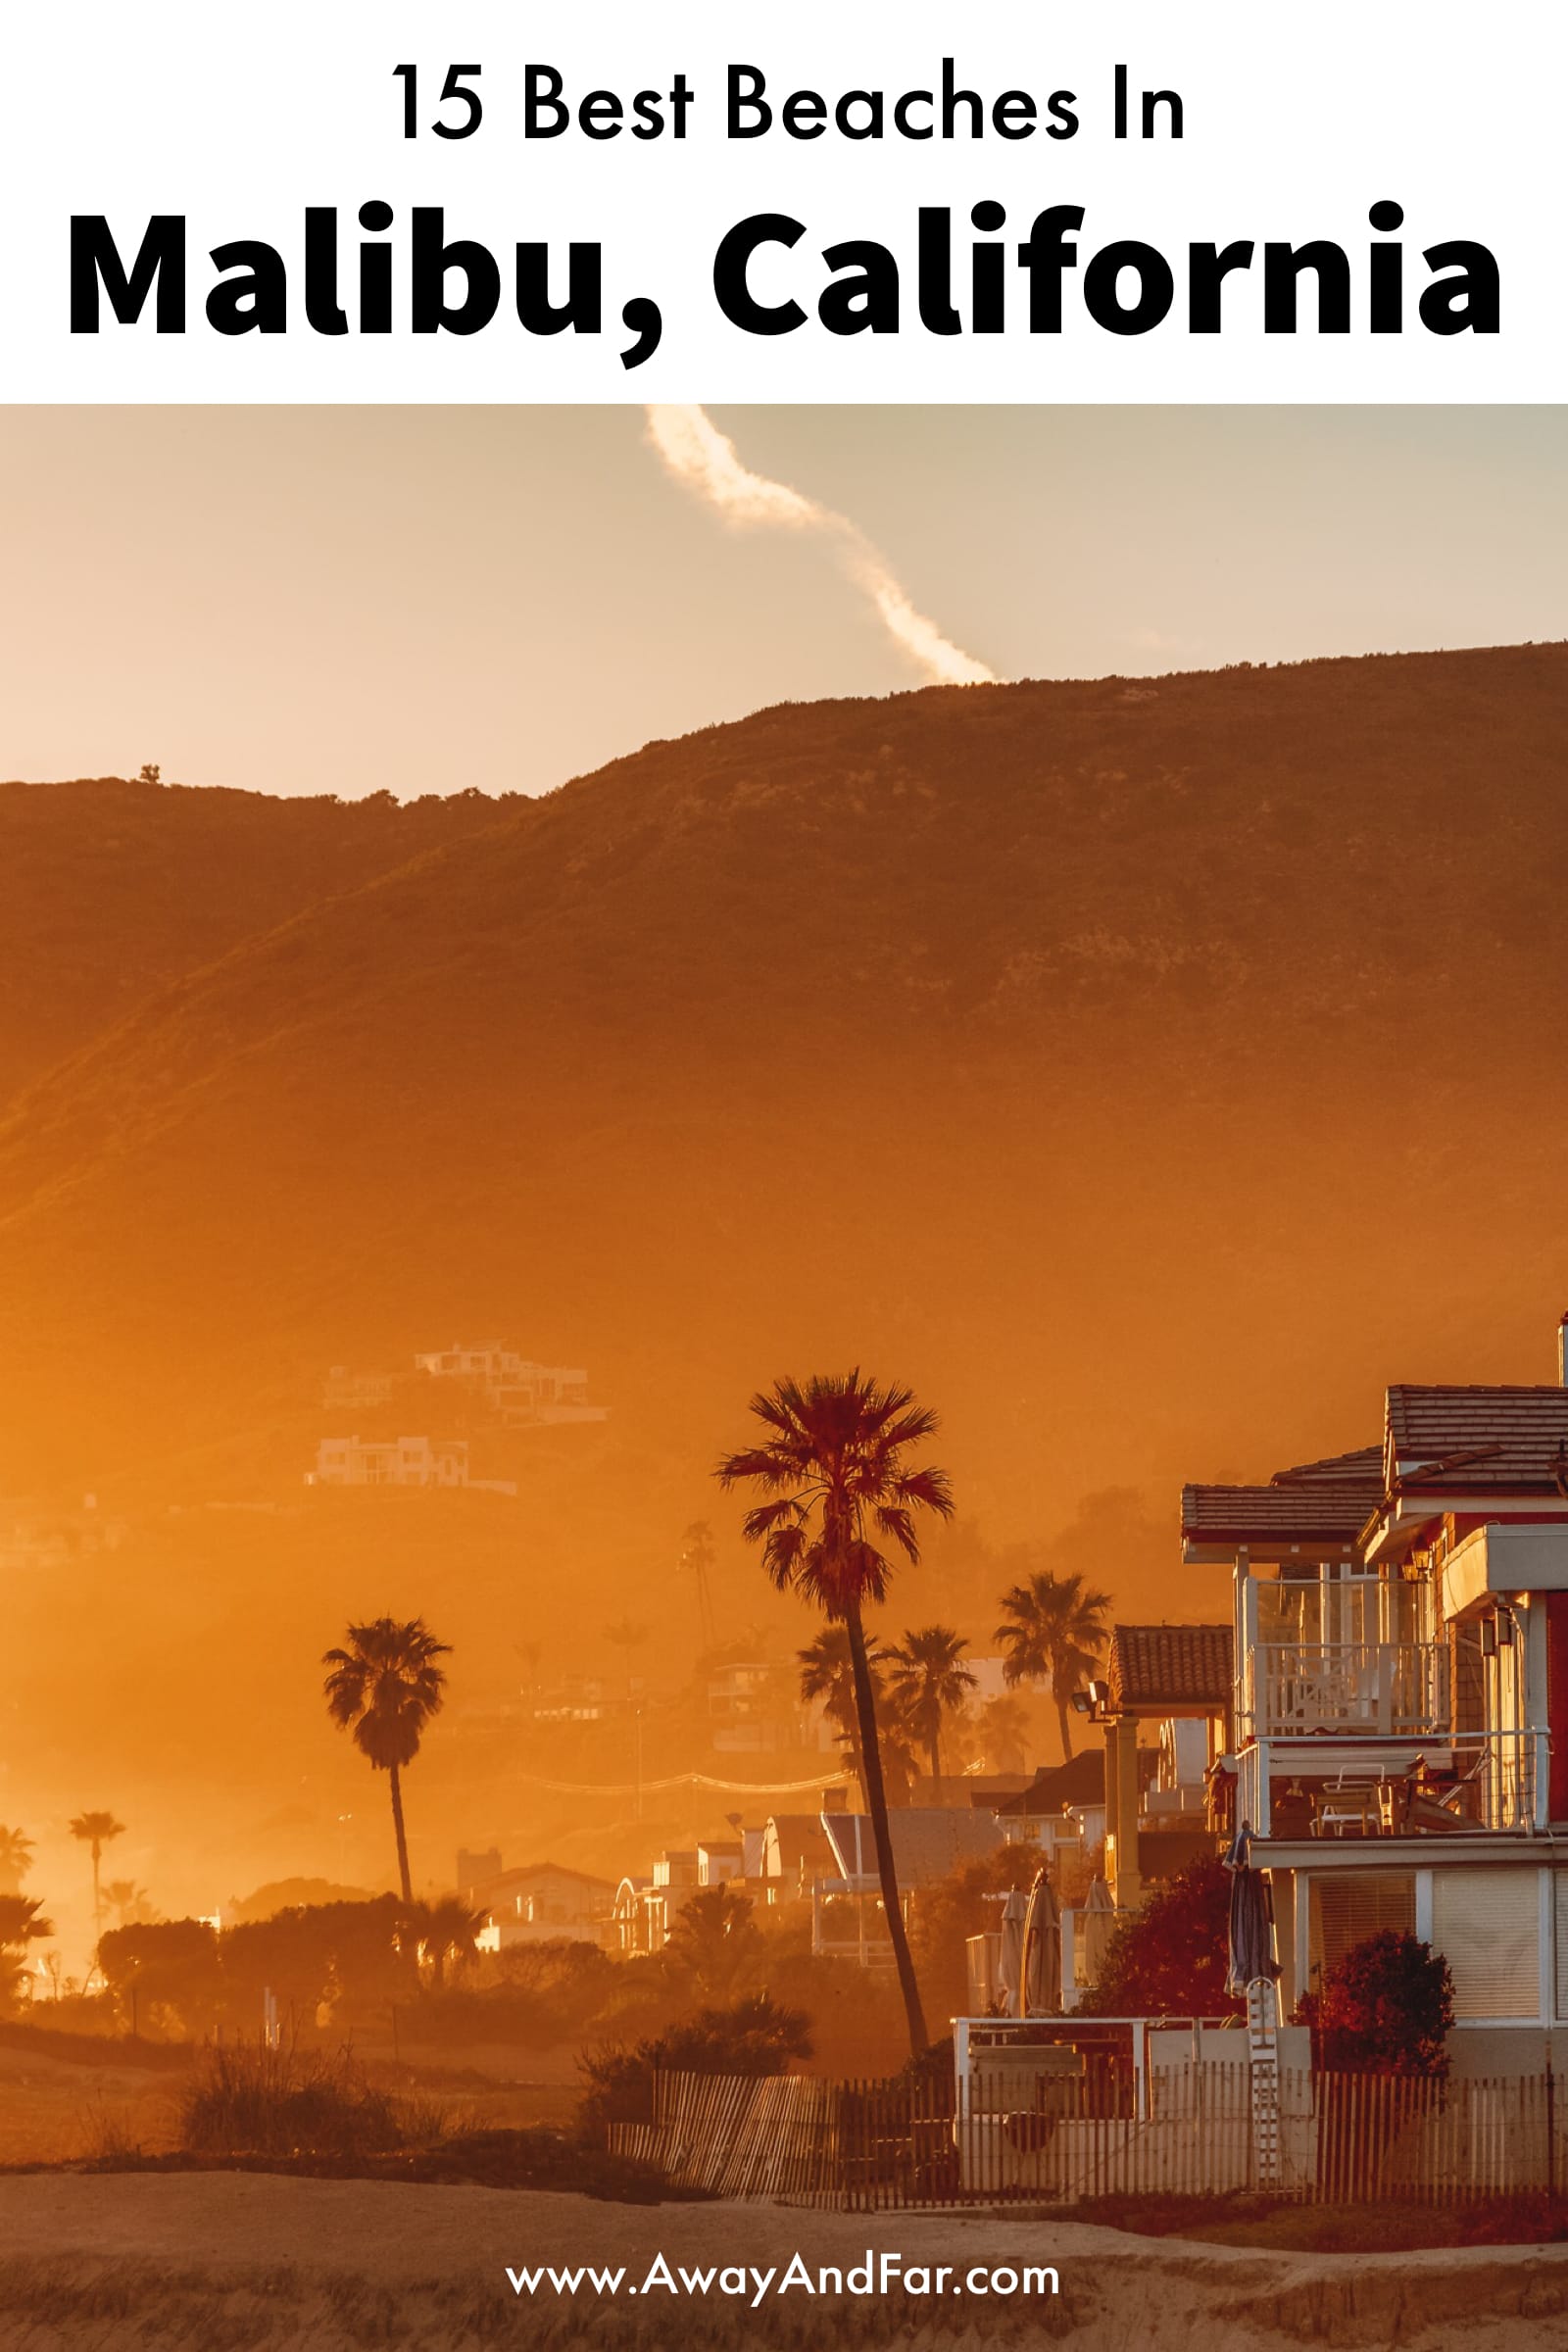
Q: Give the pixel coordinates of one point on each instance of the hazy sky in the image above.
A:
(302, 599)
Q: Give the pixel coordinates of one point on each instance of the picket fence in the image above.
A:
(869, 2146)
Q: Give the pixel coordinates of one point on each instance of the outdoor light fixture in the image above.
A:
(1080, 1702)
(1489, 1637)
(1505, 1628)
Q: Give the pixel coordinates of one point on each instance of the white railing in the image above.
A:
(1393, 1689)
(1353, 1787)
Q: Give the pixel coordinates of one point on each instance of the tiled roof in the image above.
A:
(1469, 1438)
(1363, 1468)
(1170, 1665)
(1305, 1512)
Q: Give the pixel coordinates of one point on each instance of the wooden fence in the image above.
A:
(869, 2146)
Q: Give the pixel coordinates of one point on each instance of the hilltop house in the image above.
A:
(1400, 1700)
(420, 1461)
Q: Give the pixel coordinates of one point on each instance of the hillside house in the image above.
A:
(526, 1395)
(390, 1462)
(539, 1902)
(1400, 1700)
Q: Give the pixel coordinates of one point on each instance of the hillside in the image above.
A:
(110, 889)
(1146, 1071)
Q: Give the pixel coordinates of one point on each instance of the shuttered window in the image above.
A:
(1560, 1890)
(1487, 1925)
(1349, 1906)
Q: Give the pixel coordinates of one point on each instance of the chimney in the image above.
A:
(1562, 1353)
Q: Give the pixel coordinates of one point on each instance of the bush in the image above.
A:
(752, 2037)
(538, 1994)
(250, 2100)
(166, 1976)
(1384, 2009)
(1171, 1958)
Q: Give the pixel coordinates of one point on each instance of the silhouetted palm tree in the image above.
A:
(21, 1923)
(927, 1679)
(1054, 1631)
(445, 1930)
(834, 1464)
(16, 1859)
(96, 1830)
(385, 1686)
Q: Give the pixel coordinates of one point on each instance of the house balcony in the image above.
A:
(1356, 1783)
(1384, 1690)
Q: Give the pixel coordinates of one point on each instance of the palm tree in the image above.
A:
(443, 1929)
(96, 1830)
(834, 1464)
(21, 1924)
(828, 1674)
(928, 1680)
(16, 1859)
(385, 1686)
(1054, 1632)
(128, 1903)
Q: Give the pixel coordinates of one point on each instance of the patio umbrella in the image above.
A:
(1040, 1988)
(1009, 1960)
(1251, 1928)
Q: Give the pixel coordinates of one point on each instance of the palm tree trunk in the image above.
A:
(403, 1842)
(877, 1806)
(1066, 1735)
(934, 1759)
(97, 1893)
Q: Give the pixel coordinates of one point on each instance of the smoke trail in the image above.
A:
(705, 462)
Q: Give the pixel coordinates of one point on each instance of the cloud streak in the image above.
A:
(705, 462)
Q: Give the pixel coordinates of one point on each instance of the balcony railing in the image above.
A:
(1395, 1690)
(1358, 1786)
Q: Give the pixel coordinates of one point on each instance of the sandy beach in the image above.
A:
(255, 2263)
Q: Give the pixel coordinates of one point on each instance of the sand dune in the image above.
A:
(249, 2263)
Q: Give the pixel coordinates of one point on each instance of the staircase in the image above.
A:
(1262, 2050)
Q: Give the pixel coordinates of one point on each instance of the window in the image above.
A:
(1487, 1925)
(1347, 1906)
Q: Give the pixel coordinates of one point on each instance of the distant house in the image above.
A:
(540, 1902)
(524, 1394)
(348, 1391)
(399, 1462)
(796, 1850)
(647, 1908)
(929, 1844)
(750, 1708)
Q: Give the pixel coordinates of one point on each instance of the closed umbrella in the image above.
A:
(1252, 1927)
(1040, 1988)
(1009, 1959)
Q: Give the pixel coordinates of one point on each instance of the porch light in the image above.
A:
(1489, 1637)
(1505, 1628)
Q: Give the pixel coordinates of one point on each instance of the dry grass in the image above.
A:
(246, 2099)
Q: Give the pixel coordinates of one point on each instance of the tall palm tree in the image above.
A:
(384, 1687)
(21, 1924)
(1054, 1631)
(96, 1830)
(833, 1462)
(927, 1679)
(16, 1859)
